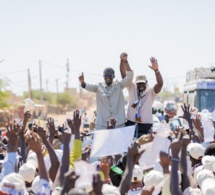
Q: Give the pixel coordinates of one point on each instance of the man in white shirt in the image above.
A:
(141, 98)
(109, 95)
(85, 121)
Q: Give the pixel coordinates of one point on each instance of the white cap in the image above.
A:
(153, 178)
(192, 191)
(213, 115)
(208, 162)
(208, 186)
(108, 189)
(195, 150)
(137, 174)
(32, 159)
(16, 181)
(27, 171)
(37, 182)
(202, 175)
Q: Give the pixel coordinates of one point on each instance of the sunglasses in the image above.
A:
(108, 75)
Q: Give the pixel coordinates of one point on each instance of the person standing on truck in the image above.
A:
(109, 95)
(141, 98)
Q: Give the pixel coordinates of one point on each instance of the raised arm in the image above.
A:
(159, 79)
(183, 164)
(81, 80)
(174, 182)
(124, 65)
(53, 157)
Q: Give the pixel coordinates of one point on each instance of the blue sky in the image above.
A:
(92, 34)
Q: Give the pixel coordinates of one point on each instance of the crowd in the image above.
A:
(51, 160)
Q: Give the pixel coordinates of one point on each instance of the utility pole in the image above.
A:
(41, 87)
(57, 95)
(67, 75)
(47, 85)
(29, 85)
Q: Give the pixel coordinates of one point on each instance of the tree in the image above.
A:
(47, 96)
(3, 95)
(65, 99)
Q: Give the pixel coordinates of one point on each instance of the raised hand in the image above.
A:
(71, 125)
(81, 78)
(124, 57)
(186, 112)
(97, 184)
(154, 64)
(12, 135)
(33, 142)
(198, 125)
(70, 179)
(51, 127)
(105, 168)
(41, 132)
(77, 119)
(134, 152)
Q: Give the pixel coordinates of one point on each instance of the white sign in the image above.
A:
(112, 141)
(151, 155)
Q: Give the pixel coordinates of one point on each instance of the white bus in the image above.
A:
(199, 91)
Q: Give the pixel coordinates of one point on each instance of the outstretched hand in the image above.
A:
(154, 63)
(186, 112)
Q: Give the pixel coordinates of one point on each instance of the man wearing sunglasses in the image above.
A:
(109, 95)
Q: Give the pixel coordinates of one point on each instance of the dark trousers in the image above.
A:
(141, 129)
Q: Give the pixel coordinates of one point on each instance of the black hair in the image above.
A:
(210, 150)
(108, 68)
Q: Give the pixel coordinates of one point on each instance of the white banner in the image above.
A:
(112, 141)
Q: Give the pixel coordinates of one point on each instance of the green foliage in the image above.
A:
(47, 96)
(3, 95)
(65, 99)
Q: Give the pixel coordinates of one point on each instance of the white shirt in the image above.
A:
(146, 104)
(110, 100)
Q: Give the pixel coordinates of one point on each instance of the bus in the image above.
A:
(199, 90)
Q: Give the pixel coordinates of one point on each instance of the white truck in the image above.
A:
(199, 90)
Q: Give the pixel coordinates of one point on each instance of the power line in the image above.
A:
(15, 72)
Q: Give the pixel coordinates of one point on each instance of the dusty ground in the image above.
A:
(60, 119)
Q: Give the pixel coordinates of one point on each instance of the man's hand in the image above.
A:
(105, 168)
(12, 135)
(81, 78)
(71, 125)
(112, 123)
(27, 115)
(198, 125)
(124, 57)
(154, 64)
(42, 133)
(134, 153)
(97, 184)
(33, 142)
(77, 120)
(51, 127)
(186, 111)
(66, 134)
(70, 179)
